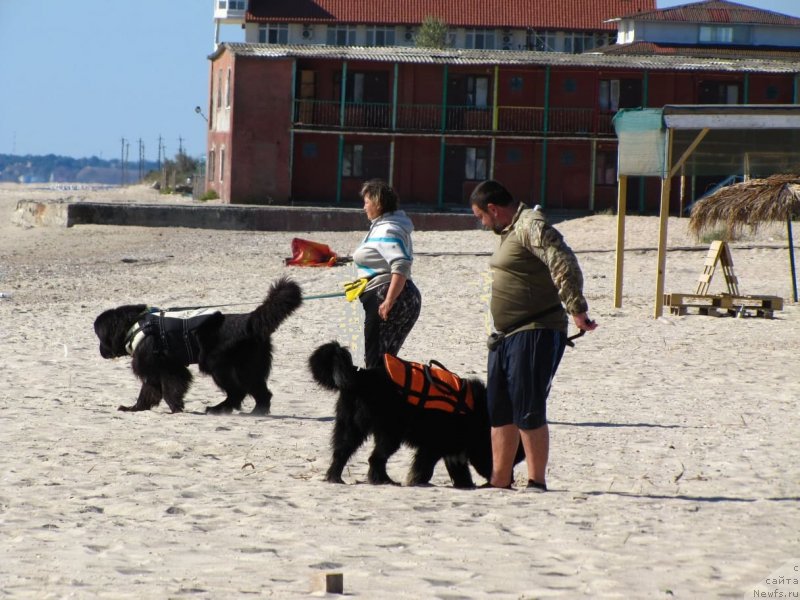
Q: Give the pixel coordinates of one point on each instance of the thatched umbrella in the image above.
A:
(747, 205)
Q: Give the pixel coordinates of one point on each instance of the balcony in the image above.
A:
(230, 11)
(431, 118)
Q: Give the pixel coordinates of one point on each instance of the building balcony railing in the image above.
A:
(432, 118)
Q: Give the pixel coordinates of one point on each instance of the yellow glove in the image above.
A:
(353, 289)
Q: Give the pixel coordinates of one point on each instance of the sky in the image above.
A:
(81, 75)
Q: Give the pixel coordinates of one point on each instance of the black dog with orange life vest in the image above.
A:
(425, 407)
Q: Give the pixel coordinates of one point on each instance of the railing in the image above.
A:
(428, 118)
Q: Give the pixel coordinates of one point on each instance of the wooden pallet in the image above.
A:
(718, 305)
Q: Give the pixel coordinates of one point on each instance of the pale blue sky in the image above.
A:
(80, 75)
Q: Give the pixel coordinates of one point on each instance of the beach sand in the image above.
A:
(674, 466)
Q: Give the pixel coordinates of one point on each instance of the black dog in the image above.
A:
(235, 349)
(371, 403)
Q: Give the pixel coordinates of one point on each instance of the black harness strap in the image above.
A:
(460, 395)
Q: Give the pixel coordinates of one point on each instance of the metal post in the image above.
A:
(546, 127)
(622, 201)
(593, 175)
(343, 95)
(445, 83)
(663, 221)
(291, 131)
(442, 149)
(791, 255)
(339, 170)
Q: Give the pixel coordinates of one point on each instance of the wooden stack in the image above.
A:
(731, 303)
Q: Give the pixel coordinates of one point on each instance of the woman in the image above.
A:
(391, 300)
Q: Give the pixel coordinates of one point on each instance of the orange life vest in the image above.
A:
(430, 386)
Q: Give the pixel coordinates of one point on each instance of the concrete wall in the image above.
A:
(245, 218)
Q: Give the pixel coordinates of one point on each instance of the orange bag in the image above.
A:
(430, 386)
(306, 253)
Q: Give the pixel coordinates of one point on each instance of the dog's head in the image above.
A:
(332, 366)
(112, 328)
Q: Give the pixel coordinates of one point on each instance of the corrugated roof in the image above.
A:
(507, 57)
(704, 51)
(537, 14)
(716, 11)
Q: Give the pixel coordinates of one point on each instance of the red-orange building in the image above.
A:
(284, 129)
(308, 123)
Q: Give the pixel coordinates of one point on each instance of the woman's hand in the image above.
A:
(396, 286)
(385, 308)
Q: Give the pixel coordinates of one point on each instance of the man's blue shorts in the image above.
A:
(521, 370)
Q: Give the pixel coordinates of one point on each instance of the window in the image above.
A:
(380, 36)
(341, 35)
(211, 166)
(231, 4)
(576, 43)
(219, 89)
(353, 162)
(452, 38)
(718, 92)
(475, 167)
(619, 93)
(310, 150)
(606, 168)
(543, 41)
(274, 33)
(477, 91)
(366, 161)
(366, 86)
(228, 90)
(222, 165)
(479, 39)
(724, 34)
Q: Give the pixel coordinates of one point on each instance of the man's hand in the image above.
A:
(583, 322)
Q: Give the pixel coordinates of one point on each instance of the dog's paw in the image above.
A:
(334, 479)
(218, 410)
(126, 408)
(260, 411)
(382, 481)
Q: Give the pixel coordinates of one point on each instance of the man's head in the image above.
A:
(493, 205)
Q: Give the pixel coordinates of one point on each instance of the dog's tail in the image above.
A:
(283, 298)
(332, 366)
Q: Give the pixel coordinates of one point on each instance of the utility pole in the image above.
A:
(122, 163)
(180, 145)
(127, 153)
(141, 160)
(160, 147)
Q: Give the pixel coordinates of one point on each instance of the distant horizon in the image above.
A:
(107, 71)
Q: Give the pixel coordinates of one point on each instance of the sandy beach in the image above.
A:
(674, 467)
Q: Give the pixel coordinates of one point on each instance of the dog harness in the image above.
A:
(174, 331)
(430, 386)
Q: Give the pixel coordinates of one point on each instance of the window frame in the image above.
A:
(476, 163)
(334, 31)
(387, 32)
(280, 31)
(487, 38)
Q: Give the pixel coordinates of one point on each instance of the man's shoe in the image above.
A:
(535, 486)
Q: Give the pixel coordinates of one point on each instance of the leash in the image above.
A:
(352, 290)
(570, 339)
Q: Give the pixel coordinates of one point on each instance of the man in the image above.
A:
(536, 282)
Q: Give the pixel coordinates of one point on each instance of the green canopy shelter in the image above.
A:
(753, 140)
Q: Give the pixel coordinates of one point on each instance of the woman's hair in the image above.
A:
(490, 192)
(384, 196)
